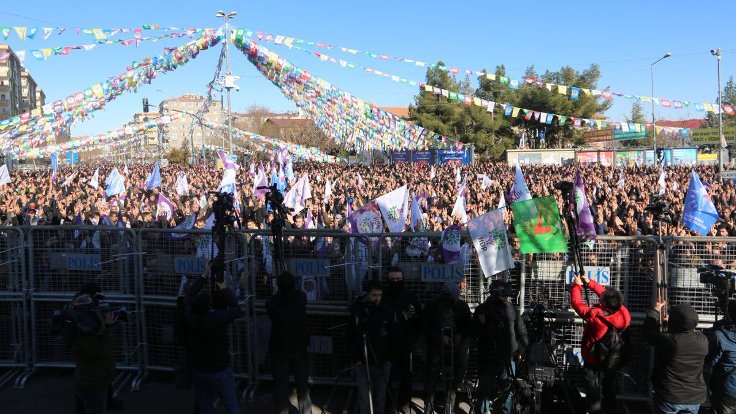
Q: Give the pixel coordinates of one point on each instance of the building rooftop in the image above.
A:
(400, 111)
(685, 123)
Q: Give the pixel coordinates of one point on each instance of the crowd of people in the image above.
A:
(618, 197)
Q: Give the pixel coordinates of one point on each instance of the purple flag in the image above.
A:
(226, 163)
(164, 207)
(367, 219)
(586, 224)
(451, 244)
(519, 191)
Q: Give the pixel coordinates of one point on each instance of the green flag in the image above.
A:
(537, 224)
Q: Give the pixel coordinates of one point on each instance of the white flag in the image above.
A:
(95, 181)
(182, 184)
(458, 178)
(491, 242)
(395, 208)
(459, 209)
(328, 190)
(294, 198)
(125, 170)
(502, 201)
(662, 183)
(519, 191)
(432, 173)
(4, 175)
(486, 182)
(416, 214)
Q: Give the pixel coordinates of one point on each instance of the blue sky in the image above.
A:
(623, 37)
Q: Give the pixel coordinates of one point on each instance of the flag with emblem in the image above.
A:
(491, 242)
(395, 208)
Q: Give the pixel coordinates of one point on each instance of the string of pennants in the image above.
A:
(490, 106)
(573, 92)
(30, 33)
(90, 143)
(263, 143)
(42, 124)
(44, 53)
(348, 120)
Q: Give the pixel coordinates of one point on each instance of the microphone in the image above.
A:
(564, 186)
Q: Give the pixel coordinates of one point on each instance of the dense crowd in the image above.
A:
(618, 197)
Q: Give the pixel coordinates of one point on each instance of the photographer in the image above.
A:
(372, 322)
(92, 350)
(288, 343)
(600, 386)
(502, 339)
(679, 355)
(208, 318)
(722, 359)
(447, 328)
(406, 311)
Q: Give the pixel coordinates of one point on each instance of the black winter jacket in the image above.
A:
(288, 313)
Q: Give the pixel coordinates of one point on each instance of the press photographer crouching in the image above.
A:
(86, 324)
(208, 318)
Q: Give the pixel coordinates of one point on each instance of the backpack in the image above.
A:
(613, 350)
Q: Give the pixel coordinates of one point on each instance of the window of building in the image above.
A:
(2, 97)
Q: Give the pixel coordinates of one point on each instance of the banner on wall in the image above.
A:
(684, 156)
(445, 156)
(587, 157)
(400, 156)
(710, 135)
(602, 135)
(426, 156)
(605, 158)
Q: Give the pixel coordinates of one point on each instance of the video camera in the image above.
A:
(723, 280)
(660, 209)
(80, 316)
(224, 207)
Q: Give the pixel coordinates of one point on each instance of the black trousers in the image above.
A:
(450, 362)
(600, 391)
(297, 363)
(725, 404)
(399, 396)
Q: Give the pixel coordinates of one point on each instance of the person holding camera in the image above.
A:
(502, 340)
(722, 359)
(371, 339)
(447, 329)
(208, 317)
(406, 310)
(679, 356)
(92, 350)
(288, 344)
(600, 382)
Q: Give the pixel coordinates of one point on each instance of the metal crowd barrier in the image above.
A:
(63, 258)
(41, 267)
(15, 352)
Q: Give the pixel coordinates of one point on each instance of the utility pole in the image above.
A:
(721, 138)
(654, 123)
(229, 79)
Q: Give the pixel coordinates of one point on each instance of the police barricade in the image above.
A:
(544, 281)
(686, 255)
(15, 352)
(63, 258)
(171, 260)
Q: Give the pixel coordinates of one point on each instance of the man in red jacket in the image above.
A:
(600, 384)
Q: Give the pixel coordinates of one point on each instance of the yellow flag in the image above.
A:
(562, 89)
(598, 123)
(21, 32)
(99, 34)
(427, 88)
(477, 102)
(490, 76)
(515, 112)
(585, 91)
(708, 107)
(46, 52)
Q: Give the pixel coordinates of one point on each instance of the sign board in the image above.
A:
(601, 135)
(424, 156)
(620, 135)
(710, 135)
(707, 157)
(445, 156)
(72, 157)
(436, 272)
(309, 267)
(601, 274)
(189, 264)
(400, 156)
(587, 157)
(605, 158)
(319, 344)
(728, 175)
(83, 262)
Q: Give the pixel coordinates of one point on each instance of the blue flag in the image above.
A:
(153, 180)
(700, 213)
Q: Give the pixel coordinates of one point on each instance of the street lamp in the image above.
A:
(229, 80)
(717, 54)
(654, 124)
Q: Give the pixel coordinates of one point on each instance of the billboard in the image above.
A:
(588, 157)
(445, 156)
(605, 158)
(601, 135)
(710, 135)
(400, 156)
(426, 156)
(684, 156)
